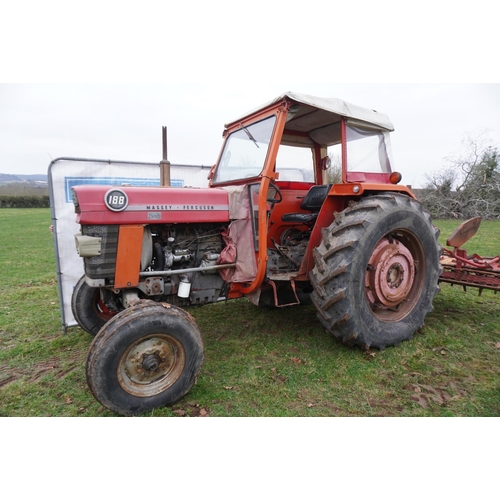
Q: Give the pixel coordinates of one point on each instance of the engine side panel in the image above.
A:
(128, 257)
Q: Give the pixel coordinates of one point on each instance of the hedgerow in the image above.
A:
(24, 201)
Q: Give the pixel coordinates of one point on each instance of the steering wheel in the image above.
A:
(278, 197)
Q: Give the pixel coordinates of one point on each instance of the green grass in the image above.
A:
(258, 362)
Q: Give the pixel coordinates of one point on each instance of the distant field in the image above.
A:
(258, 362)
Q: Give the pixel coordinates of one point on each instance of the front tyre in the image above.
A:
(376, 271)
(146, 357)
(90, 311)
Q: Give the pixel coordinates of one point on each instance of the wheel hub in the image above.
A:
(390, 274)
(395, 275)
(149, 360)
(151, 363)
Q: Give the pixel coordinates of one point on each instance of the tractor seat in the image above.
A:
(313, 201)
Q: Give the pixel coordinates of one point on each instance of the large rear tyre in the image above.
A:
(89, 310)
(146, 357)
(376, 271)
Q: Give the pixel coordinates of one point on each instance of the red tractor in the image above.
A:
(274, 227)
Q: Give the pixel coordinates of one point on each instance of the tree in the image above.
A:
(470, 185)
(481, 193)
(438, 196)
(335, 168)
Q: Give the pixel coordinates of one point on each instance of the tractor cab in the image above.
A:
(293, 164)
(294, 137)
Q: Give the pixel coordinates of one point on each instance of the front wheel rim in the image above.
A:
(102, 310)
(151, 365)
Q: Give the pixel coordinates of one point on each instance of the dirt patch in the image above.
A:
(190, 410)
(8, 380)
(425, 394)
(73, 362)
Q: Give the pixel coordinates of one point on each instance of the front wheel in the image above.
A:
(146, 357)
(376, 271)
(89, 309)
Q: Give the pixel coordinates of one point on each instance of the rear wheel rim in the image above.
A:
(393, 283)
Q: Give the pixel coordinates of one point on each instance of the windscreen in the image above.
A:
(245, 152)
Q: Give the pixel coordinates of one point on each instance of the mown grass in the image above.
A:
(258, 362)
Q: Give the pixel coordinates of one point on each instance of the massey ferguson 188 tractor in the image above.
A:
(271, 227)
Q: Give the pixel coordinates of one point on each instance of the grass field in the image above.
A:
(258, 362)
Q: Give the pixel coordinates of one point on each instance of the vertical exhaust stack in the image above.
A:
(165, 164)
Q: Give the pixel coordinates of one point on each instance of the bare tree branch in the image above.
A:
(470, 187)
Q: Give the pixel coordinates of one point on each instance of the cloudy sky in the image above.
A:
(236, 57)
(40, 122)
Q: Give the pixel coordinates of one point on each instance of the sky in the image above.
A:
(100, 82)
(40, 122)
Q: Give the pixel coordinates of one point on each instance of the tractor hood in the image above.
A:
(149, 205)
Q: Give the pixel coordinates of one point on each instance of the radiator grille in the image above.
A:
(102, 266)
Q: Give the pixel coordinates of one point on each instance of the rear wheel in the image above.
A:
(146, 357)
(376, 271)
(89, 310)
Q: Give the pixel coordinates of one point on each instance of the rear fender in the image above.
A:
(337, 201)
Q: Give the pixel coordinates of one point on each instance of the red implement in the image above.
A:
(469, 270)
